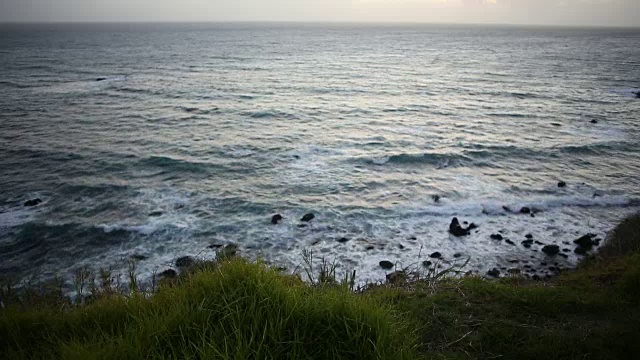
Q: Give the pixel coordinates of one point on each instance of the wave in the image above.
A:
(270, 115)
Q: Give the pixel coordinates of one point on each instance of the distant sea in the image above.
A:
(160, 140)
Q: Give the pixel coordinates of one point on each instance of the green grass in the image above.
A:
(240, 310)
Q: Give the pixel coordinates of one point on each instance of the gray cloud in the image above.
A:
(556, 12)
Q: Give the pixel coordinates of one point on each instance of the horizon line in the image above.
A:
(319, 22)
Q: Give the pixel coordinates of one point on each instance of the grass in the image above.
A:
(239, 310)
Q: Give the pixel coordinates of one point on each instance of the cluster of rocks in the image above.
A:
(275, 219)
(457, 230)
(33, 202)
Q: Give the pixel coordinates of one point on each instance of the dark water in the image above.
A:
(197, 134)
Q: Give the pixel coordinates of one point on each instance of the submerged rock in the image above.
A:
(527, 243)
(386, 264)
(275, 219)
(396, 277)
(155, 213)
(436, 198)
(427, 263)
(496, 237)
(435, 255)
(184, 261)
(509, 242)
(529, 236)
(594, 121)
(168, 274)
(562, 184)
(342, 240)
(308, 217)
(33, 202)
(551, 250)
(101, 79)
(370, 247)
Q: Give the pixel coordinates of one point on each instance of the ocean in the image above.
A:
(158, 141)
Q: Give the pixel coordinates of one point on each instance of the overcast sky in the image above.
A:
(551, 12)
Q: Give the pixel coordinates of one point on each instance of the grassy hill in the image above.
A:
(239, 310)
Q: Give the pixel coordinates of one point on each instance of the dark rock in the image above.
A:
(543, 263)
(514, 261)
(396, 277)
(386, 264)
(308, 217)
(566, 250)
(370, 247)
(581, 250)
(101, 79)
(457, 255)
(465, 222)
(539, 243)
(509, 242)
(169, 274)
(138, 257)
(155, 213)
(493, 272)
(588, 241)
(527, 243)
(525, 210)
(436, 198)
(551, 250)
(276, 219)
(456, 230)
(297, 157)
(343, 240)
(400, 246)
(594, 121)
(638, 94)
(529, 236)
(506, 208)
(184, 261)
(412, 238)
(215, 246)
(302, 225)
(564, 256)
(562, 184)
(426, 263)
(472, 226)
(435, 255)
(496, 237)
(33, 202)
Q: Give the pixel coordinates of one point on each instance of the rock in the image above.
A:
(427, 263)
(496, 237)
(494, 273)
(370, 247)
(594, 121)
(564, 256)
(386, 264)
(396, 277)
(33, 202)
(527, 243)
(509, 242)
(457, 255)
(506, 208)
(412, 238)
(308, 217)
(525, 210)
(343, 240)
(435, 255)
(436, 198)
(400, 246)
(456, 230)
(215, 246)
(551, 250)
(638, 94)
(529, 236)
(138, 257)
(155, 213)
(472, 226)
(184, 262)
(229, 250)
(275, 219)
(101, 79)
(302, 225)
(562, 184)
(566, 250)
(168, 274)
(588, 241)
(539, 243)
(581, 250)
